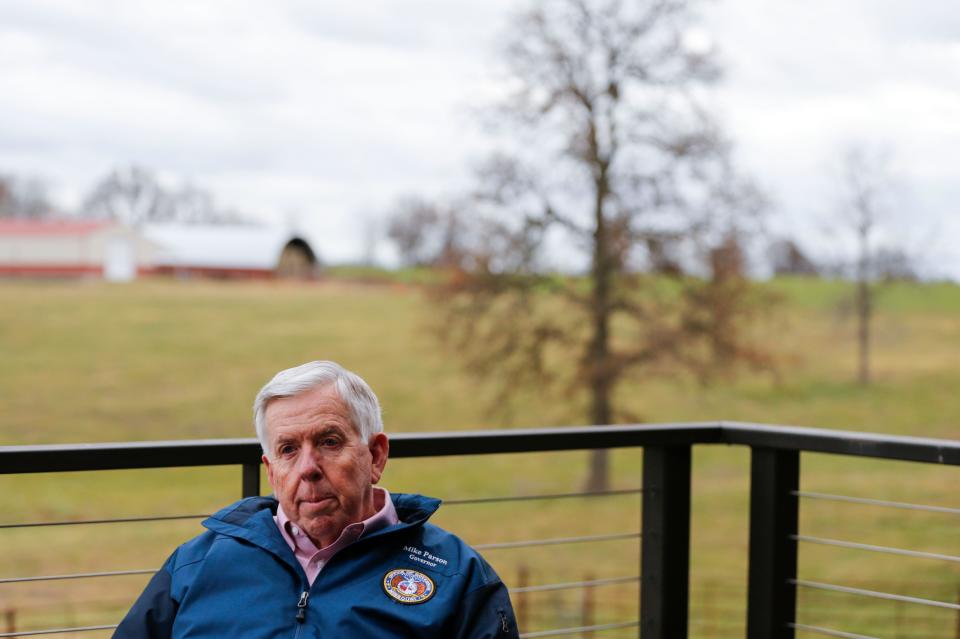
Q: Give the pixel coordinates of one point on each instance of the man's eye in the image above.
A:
(287, 449)
(330, 442)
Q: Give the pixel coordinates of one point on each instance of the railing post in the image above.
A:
(665, 542)
(774, 510)
(251, 480)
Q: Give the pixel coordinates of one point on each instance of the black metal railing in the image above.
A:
(666, 495)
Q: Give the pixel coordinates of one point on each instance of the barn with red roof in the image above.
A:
(72, 248)
(94, 249)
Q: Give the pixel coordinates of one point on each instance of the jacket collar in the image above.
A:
(414, 509)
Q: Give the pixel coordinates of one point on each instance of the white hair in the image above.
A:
(352, 390)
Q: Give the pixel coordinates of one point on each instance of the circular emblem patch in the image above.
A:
(408, 586)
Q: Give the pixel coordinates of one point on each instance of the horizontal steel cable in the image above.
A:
(878, 502)
(876, 595)
(555, 541)
(528, 635)
(121, 520)
(581, 629)
(79, 575)
(446, 502)
(56, 631)
(488, 500)
(829, 632)
(882, 549)
(493, 546)
(593, 583)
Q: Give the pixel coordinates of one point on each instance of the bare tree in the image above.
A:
(24, 198)
(371, 233)
(134, 196)
(131, 195)
(615, 169)
(426, 233)
(866, 202)
(788, 258)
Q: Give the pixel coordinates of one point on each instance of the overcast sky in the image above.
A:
(320, 113)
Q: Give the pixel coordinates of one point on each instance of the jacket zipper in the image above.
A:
(302, 607)
(504, 625)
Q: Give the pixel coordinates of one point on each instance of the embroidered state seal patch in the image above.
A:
(408, 586)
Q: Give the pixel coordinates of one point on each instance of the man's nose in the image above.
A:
(308, 463)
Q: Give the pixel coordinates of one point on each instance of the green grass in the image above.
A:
(890, 297)
(166, 360)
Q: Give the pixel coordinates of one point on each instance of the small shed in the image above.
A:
(71, 249)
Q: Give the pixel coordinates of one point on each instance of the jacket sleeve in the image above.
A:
(486, 613)
(152, 615)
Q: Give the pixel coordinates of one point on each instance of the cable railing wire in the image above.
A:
(556, 540)
(79, 575)
(117, 520)
(508, 498)
(570, 585)
(829, 632)
(872, 548)
(579, 630)
(874, 594)
(56, 631)
(877, 502)
(446, 502)
(491, 546)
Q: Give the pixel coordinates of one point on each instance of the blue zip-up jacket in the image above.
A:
(240, 579)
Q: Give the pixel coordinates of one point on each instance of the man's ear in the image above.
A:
(379, 451)
(269, 467)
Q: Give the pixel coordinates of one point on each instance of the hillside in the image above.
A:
(168, 360)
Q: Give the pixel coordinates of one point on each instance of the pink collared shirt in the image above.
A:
(313, 559)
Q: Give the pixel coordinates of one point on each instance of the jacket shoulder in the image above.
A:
(191, 552)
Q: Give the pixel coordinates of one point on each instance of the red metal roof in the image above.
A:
(50, 227)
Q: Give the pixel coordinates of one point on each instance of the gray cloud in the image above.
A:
(329, 108)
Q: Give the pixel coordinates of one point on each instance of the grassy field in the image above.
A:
(167, 360)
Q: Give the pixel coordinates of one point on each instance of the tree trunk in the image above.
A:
(600, 387)
(599, 371)
(864, 302)
(599, 477)
(864, 314)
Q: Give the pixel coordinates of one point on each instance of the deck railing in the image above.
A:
(664, 571)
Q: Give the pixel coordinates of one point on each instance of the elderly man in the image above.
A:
(331, 555)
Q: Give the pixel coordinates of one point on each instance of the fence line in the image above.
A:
(665, 536)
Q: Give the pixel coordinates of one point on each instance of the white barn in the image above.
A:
(70, 248)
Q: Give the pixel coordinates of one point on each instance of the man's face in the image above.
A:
(320, 470)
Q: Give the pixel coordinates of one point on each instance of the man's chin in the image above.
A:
(321, 528)
(316, 507)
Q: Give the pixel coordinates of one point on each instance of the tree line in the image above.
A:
(130, 195)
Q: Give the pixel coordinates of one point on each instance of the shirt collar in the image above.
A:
(299, 542)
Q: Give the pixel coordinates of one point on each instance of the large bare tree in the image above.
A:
(611, 164)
